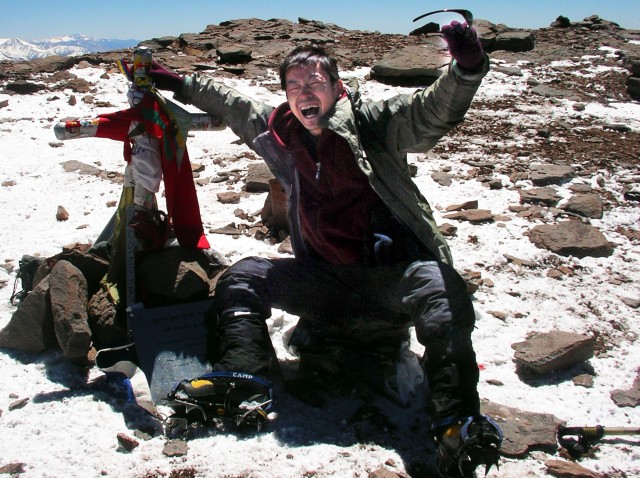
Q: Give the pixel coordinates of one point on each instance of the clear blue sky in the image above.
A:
(143, 20)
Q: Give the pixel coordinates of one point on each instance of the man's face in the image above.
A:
(311, 95)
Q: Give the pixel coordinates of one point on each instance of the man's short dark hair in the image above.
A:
(305, 56)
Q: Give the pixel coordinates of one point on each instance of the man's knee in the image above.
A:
(437, 276)
(243, 284)
(248, 268)
(437, 299)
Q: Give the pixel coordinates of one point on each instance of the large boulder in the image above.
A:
(68, 295)
(92, 267)
(30, 329)
(516, 41)
(415, 65)
(175, 274)
(258, 177)
(106, 320)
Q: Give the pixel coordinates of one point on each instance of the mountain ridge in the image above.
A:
(17, 49)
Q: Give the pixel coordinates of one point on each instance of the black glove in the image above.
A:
(464, 45)
(165, 79)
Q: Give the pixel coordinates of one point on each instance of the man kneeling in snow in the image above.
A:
(364, 237)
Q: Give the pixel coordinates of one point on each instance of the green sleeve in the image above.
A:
(245, 116)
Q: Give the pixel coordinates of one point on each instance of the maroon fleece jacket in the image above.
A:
(336, 198)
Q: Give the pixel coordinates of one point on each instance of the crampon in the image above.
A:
(242, 398)
(467, 444)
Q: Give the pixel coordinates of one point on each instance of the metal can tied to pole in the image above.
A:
(142, 62)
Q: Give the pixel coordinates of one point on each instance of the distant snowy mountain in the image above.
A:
(14, 49)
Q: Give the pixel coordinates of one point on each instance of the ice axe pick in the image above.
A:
(466, 14)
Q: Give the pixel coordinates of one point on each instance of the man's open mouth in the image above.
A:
(310, 111)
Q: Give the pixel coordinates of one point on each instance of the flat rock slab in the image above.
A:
(553, 351)
(473, 204)
(629, 397)
(515, 41)
(546, 195)
(472, 215)
(549, 92)
(443, 179)
(547, 174)
(568, 469)
(571, 238)
(523, 431)
(414, 65)
(176, 448)
(13, 469)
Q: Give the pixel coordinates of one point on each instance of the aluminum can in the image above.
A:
(142, 62)
(83, 128)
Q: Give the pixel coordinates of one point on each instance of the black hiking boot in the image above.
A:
(467, 444)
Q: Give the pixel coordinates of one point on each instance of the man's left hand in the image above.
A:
(464, 45)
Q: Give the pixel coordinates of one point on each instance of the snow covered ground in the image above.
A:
(69, 425)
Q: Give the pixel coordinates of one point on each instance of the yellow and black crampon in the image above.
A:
(243, 398)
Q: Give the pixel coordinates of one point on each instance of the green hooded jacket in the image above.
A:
(380, 134)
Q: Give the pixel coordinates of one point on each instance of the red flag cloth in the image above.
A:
(180, 192)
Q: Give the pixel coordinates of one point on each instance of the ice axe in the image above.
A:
(577, 440)
(466, 14)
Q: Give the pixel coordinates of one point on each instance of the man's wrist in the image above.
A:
(472, 74)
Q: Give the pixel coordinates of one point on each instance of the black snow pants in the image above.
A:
(427, 293)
